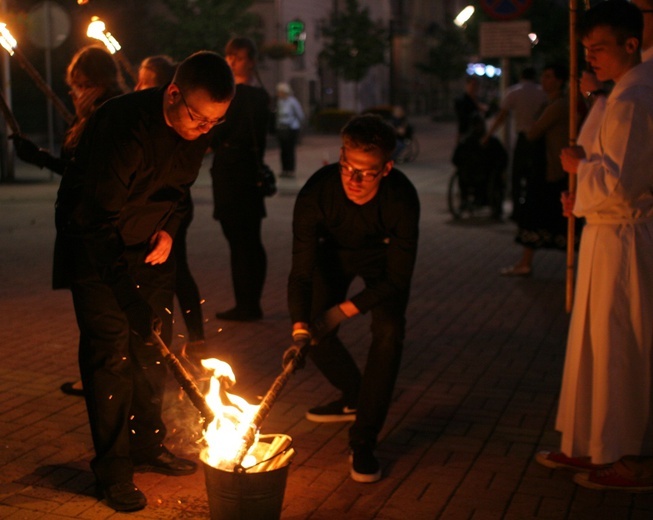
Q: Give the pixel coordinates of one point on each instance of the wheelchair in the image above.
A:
(475, 193)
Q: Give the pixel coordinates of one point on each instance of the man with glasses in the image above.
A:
(355, 219)
(118, 209)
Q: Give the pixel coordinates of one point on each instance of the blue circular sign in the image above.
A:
(505, 9)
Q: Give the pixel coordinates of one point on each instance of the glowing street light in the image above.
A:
(464, 16)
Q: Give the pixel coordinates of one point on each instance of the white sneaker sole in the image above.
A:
(363, 478)
(330, 418)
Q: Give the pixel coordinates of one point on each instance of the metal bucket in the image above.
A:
(243, 495)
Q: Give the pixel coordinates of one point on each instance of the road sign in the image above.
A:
(505, 39)
(505, 9)
(49, 25)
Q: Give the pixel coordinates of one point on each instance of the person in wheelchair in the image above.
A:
(480, 166)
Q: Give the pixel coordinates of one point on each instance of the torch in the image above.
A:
(185, 380)
(291, 363)
(10, 45)
(97, 29)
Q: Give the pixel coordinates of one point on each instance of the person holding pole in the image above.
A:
(605, 413)
(118, 210)
(355, 218)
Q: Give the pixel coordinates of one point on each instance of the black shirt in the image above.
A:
(129, 179)
(376, 240)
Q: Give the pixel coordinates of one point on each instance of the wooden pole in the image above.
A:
(573, 134)
(40, 82)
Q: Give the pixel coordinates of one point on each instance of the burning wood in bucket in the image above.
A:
(232, 438)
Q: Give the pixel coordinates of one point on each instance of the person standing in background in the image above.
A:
(541, 225)
(239, 206)
(523, 101)
(289, 120)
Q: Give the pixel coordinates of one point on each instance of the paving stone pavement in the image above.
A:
(475, 399)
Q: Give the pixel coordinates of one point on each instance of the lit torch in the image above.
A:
(11, 46)
(97, 29)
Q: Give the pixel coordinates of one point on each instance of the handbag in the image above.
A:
(267, 182)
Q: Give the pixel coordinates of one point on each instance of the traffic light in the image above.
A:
(296, 34)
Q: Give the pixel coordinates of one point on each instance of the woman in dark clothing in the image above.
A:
(239, 146)
(93, 77)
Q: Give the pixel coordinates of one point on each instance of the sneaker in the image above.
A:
(364, 466)
(557, 460)
(337, 411)
(616, 477)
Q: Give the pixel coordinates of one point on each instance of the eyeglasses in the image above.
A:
(347, 170)
(201, 122)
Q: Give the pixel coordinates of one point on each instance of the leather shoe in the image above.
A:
(166, 463)
(124, 496)
(69, 389)
(237, 314)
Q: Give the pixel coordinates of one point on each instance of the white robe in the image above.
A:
(606, 399)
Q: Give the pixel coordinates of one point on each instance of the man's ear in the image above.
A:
(388, 166)
(173, 93)
(632, 45)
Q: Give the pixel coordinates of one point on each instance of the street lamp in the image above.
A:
(463, 16)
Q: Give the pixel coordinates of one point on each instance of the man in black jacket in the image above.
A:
(118, 209)
(355, 218)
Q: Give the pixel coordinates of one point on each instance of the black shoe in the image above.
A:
(337, 411)
(364, 466)
(166, 463)
(124, 496)
(69, 389)
(237, 314)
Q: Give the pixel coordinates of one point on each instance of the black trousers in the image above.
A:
(124, 379)
(287, 143)
(370, 391)
(248, 259)
(186, 289)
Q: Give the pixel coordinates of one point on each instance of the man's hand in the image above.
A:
(160, 247)
(589, 83)
(301, 340)
(327, 321)
(143, 320)
(27, 151)
(568, 200)
(570, 158)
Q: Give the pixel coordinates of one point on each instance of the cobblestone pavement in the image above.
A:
(475, 399)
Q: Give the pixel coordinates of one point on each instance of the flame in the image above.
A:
(97, 29)
(234, 416)
(7, 40)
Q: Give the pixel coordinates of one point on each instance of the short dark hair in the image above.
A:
(241, 42)
(624, 18)
(162, 66)
(209, 71)
(369, 132)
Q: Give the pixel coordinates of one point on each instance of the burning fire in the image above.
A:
(234, 421)
(226, 434)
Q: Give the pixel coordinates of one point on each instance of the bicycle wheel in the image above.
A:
(455, 196)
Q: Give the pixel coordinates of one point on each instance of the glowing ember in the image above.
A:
(225, 435)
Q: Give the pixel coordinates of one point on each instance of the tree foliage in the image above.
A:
(192, 25)
(448, 56)
(354, 42)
